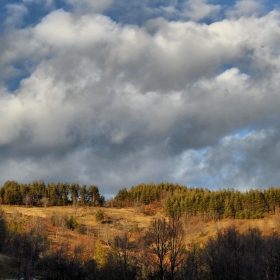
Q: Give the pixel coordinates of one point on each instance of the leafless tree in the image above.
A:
(158, 244)
(120, 252)
(176, 244)
(25, 251)
(27, 200)
(45, 201)
(75, 206)
(164, 240)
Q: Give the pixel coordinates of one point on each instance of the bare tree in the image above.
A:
(120, 250)
(25, 251)
(27, 200)
(107, 233)
(59, 263)
(45, 201)
(165, 242)
(176, 244)
(75, 206)
(158, 243)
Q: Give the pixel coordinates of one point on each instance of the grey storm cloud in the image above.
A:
(120, 104)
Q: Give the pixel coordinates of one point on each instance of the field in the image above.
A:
(116, 220)
(93, 236)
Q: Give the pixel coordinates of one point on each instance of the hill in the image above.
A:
(116, 220)
(104, 241)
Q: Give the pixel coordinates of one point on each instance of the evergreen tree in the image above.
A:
(229, 212)
(94, 195)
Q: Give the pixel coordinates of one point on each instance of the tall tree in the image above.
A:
(176, 244)
(158, 243)
(94, 195)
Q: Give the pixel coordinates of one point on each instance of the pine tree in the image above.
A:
(260, 204)
(228, 213)
(94, 195)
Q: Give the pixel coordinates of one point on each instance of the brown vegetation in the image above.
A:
(123, 239)
(119, 219)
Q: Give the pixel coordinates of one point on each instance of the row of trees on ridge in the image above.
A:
(41, 194)
(173, 198)
(181, 200)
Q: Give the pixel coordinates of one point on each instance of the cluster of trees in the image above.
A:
(41, 194)
(146, 193)
(180, 200)
(174, 199)
(234, 255)
(252, 204)
(155, 255)
(160, 253)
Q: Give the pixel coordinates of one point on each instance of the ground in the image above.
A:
(119, 219)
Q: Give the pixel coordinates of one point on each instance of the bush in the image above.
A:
(71, 223)
(99, 216)
(81, 229)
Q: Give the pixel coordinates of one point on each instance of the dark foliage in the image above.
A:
(180, 200)
(40, 194)
(3, 230)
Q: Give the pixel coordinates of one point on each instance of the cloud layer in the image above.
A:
(186, 92)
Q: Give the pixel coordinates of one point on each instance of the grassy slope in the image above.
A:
(195, 228)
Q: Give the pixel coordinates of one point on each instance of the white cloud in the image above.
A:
(16, 12)
(234, 162)
(199, 9)
(246, 8)
(120, 105)
(86, 6)
(47, 3)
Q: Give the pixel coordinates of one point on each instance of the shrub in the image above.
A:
(99, 216)
(72, 223)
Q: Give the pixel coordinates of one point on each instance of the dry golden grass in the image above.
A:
(198, 231)
(84, 215)
(117, 220)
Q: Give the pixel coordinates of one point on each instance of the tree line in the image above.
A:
(173, 198)
(181, 200)
(38, 193)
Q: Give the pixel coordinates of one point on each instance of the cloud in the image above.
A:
(16, 12)
(235, 162)
(47, 3)
(199, 9)
(87, 6)
(247, 8)
(120, 104)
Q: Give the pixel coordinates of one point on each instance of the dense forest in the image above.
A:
(180, 200)
(52, 194)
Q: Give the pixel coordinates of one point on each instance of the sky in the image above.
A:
(118, 92)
